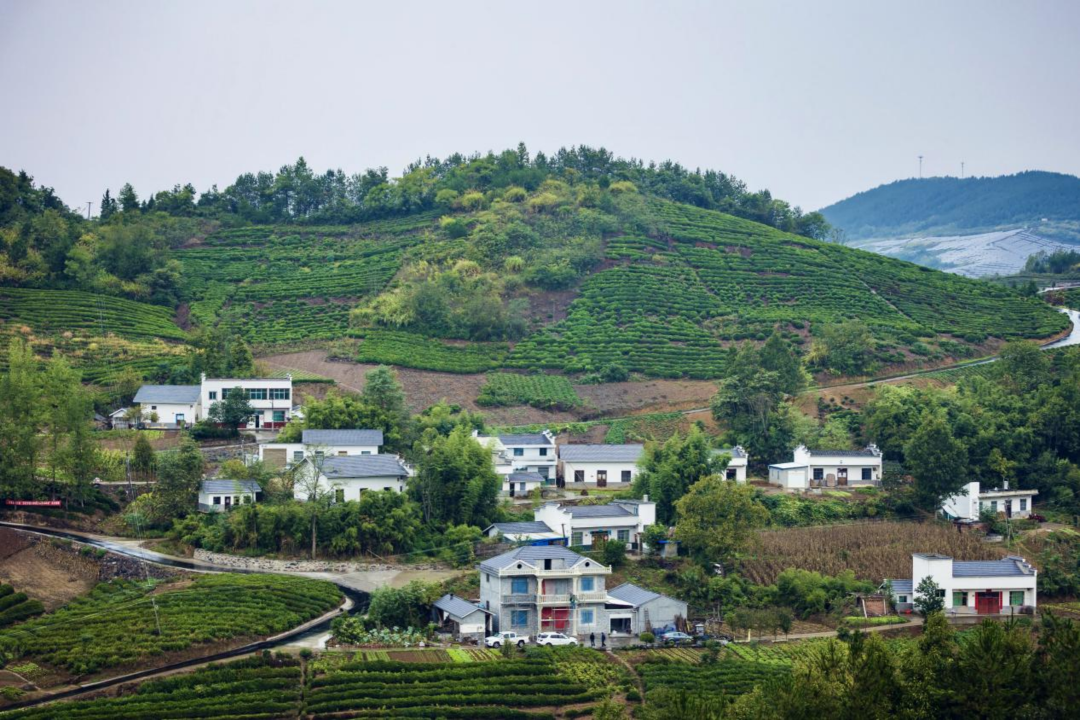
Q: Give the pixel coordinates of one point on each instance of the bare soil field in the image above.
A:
(44, 572)
(424, 388)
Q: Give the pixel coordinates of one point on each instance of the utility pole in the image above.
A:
(88, 204)
(920, 167)
(961, 169)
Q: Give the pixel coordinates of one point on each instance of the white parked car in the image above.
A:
(509, 638)
(554, 639)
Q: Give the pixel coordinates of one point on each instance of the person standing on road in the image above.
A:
(592, 639)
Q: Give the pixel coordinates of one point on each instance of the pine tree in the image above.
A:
(108, 206)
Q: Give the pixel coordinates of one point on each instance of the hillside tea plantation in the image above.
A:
(16, 606)
(726, 679)
(254, 689)
(390, 347)
(548, 392)
(116, 623)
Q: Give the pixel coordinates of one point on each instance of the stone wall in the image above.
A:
(282, 566)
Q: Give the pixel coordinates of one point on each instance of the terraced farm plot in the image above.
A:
(253, 689)
(514, 690)
(16, 606)
(727, 678)
(547, 392)
(50, 312)
(391, 347)
(274, 285)
(118, 622)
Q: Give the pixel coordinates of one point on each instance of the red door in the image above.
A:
(988, 603)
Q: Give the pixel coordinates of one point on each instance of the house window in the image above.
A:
(901, 598)
(1023, 504)
(626, 476)
(993, 506)
(1016, 598)
(217, 499)
(279, 393)
(279, 416)
(339, 494)
(959, 599)
(819, 474)
(386, 489)
(543, 452)
(941, 593)
(588, 617)
(365, 452)
(213, 394)
(179, 418)
(342, 452)
(575, 539)
(153, 407)
(519, 618)
(867, 474)
(543, 472)
(588, 584)
(624, 535)
(246, 499)
(579, 476)
(519, 452)
(519, 586)
(256, 393)
(297, 455)
(319, 454)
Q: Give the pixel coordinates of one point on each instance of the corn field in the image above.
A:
(874, 551)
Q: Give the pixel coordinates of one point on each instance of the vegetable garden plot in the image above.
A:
(116, 624)
(252, 689)
(500, 689)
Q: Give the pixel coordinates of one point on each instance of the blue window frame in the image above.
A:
(588, 617)
(519, 618)
(519, 452)
(588, 584)
(519, 586)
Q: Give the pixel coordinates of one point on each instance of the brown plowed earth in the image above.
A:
(44, 572)
(424, 388)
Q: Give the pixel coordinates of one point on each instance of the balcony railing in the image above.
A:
(553, 598)
(519, 599)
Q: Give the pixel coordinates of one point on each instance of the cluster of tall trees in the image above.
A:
(296, 193)
(46, 444)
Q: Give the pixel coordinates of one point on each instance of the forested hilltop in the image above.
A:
(579, 263)
(1045, 202)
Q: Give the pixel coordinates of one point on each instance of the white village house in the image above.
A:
(598, 465)
(180, 405)
(327, 442)
(461, 617)
(347, 477)
(168, 406)
(499, 457)
(984, 587)
(534, 532)
(811, 469)
(521, 483)
(532, 452)
(584, 525)
(633, 610)
(221, 495)
(969, 504)
(736, 467)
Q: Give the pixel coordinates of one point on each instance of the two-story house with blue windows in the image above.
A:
(533, 452)
(534, 589)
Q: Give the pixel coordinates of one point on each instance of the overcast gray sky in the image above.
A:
(813, 100)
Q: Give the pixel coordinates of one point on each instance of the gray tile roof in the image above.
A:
(530, 439)
(343, 437)
(526, 477)
(168, 394)
(631, 593)
(211, 487)
(511, 528)
(601, 453)
(843, 453)
(363, 466)
(533, 555)
(902, 587)
(595, 511)
(456, 606)
(1009, 567)
(734, 452)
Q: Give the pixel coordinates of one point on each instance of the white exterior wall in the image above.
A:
(565, 525)
(353, 487)
(614, 471)
(833, 464)
(520, 488)
(963, 506)
(986, 500)
(968, 507)
(789, 478)
(941, 570)
(167, 413)
(263, 408)
(207, 499)
(739, 466)
(309, 450)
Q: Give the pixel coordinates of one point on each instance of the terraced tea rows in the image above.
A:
(392, 347)
(16, 606)
(541, 391)
(726, 678)
(49, 312)
(118, 623)
(252, 689)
